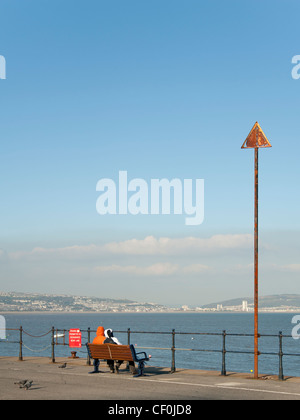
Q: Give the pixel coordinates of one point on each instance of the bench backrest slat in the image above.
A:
(110, 352)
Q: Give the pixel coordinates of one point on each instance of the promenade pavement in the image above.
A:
(75, 383)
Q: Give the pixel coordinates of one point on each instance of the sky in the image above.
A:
(162, 90)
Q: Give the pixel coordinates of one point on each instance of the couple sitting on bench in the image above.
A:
(107, 337)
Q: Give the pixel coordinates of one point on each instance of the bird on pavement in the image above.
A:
(27, 385)
(63, 366)
(23, 382)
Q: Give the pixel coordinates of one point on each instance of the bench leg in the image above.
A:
(96, 364)
(141, 369)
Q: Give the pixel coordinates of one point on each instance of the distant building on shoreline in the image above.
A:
(245, 306)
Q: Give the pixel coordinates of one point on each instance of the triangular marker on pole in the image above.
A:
(256, 138)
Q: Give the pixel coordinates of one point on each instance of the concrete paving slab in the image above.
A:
(76, 383)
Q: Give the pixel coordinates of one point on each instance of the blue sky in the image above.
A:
(162, 89)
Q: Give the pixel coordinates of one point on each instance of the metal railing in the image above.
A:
(58, 338)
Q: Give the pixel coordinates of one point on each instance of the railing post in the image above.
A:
(173, 352)
(88, 360)
(128, 341)
(223, 373)
(128, 336)
(53, 345)
(280, 376)
(21, 344)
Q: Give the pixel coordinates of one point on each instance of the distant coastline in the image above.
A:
(292, 311)
(15, 302)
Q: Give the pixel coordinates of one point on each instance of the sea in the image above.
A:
(198, 338)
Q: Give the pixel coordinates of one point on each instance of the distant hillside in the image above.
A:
(263, 301)
(26, 302)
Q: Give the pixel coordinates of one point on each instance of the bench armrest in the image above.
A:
(135, 355)
(142, 352)
(142, 358)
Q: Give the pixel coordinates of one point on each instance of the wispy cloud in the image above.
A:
(148, 246)
(195, 268)
(160, 269)
(291, 268)
(169, 246)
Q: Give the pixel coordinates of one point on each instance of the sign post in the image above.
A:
(255, 140)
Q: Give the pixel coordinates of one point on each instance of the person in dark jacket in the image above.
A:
(111, 339)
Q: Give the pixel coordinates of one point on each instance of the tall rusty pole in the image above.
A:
(256, 263)
(255, 140)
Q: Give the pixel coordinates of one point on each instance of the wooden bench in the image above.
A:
(116, 352)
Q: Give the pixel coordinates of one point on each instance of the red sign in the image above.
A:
(75, 338)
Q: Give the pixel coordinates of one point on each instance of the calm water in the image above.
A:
(238, 323)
